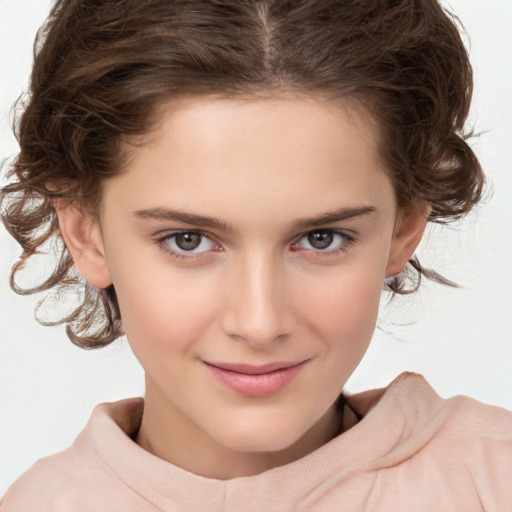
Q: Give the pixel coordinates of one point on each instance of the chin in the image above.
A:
(255, 438)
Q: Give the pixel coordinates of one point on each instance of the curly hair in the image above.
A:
(102, 68)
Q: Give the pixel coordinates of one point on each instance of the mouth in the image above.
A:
(255, 370)
(256, 381)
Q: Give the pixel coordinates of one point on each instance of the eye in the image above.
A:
(187, 242)
(327, 241)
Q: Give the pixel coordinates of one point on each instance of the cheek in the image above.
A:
(343, 307)
(340, 313)
(162, 309)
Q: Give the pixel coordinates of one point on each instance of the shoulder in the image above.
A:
(50, 482)
(459, 447)
(477, 437)
(411, 396)
(425, 415)
(69, 480)
(461, 416)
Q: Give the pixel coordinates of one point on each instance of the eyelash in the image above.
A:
(346, 242)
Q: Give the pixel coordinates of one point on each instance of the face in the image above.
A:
(247, 241)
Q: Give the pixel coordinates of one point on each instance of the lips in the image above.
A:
(256, 381)
(256, 370)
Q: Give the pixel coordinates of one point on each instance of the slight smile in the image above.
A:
(256, 381)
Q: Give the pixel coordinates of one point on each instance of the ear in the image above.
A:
(407, 234)
(82, 235)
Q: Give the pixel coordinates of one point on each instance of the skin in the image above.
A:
(257, 294)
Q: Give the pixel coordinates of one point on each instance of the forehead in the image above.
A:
(321, 111)
(246, 153)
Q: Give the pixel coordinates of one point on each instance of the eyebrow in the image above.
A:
(166, 214)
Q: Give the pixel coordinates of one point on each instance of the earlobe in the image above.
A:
(82, 235)
(406, 237)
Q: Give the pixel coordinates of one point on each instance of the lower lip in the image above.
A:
(262, 385)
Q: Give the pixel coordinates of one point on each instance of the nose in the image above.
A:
(259, 308)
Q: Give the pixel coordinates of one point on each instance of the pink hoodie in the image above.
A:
(412, 451)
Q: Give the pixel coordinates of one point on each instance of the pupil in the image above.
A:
(188, 241)
(320, 239)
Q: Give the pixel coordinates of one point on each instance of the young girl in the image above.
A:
(232, 184)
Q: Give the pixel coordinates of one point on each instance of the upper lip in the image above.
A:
(250, 369)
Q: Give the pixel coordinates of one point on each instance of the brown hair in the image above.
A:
(102, 67)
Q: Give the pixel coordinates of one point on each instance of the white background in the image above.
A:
(459, 339)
